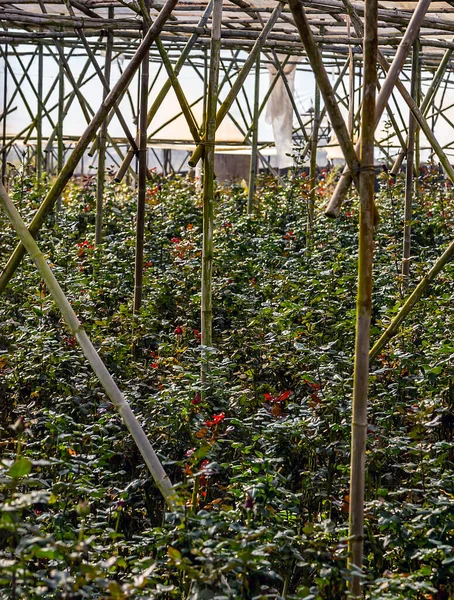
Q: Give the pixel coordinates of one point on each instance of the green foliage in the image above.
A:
(261, 455)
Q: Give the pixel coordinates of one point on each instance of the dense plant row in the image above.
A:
(261, 458)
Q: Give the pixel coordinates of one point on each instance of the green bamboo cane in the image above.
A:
(206, 310)
(364, 300)
(411, 301)
(255, 129)
(100, 180)
(76, 328)
(409, 174)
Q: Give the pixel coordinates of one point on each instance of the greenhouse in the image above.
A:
(226, 356)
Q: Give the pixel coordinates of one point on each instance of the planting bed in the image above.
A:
(261, 456)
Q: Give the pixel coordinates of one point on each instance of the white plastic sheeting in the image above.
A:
(279, 111)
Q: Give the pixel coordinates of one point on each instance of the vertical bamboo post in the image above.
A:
(364, 299)
(351, 86)
(61, 95)
(313, 161)
(410, 166)
(143, 124)
(206, 312)
(255, 129)
(103, 138)
(39, 119)
(5, 111)
(417, 98)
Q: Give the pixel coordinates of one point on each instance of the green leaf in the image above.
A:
(21, 467)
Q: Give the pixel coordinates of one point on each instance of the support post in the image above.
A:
(39, 119)
(5, 114)
(255, 129)
(313, 162)
(100, 180)
(409, 172)
(364, 300)
(60, 141)
(206, 313)
(140, 221)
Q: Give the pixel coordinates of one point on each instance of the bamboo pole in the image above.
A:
(255, 131)
(5, 101)
(60, 117)
(391, 80)
(409, 172)
(206, 310)
(76, 328)
(313, 162)
(103, 138)
(39, 118)
(411, 301)
(140, 221)
(166, 87)
(85, 139)
(104, 79)
(364, 300)
(233, 93)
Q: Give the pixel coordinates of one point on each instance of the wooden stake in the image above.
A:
(364, 299)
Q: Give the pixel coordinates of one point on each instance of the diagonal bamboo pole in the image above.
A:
(77, 329)
(166, 87)
(411, 301)
(364, 300)
(241, 78)
(391, 80)
(85, 139)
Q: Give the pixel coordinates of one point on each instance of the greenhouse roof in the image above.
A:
(30, 21)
